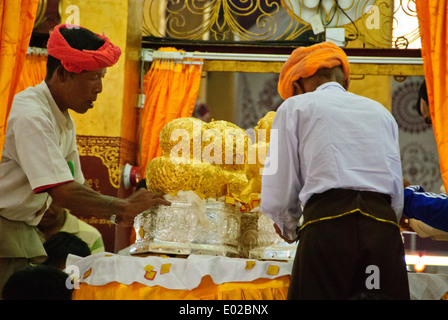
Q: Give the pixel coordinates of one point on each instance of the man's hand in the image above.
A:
(406, 183)
(138, 202)
(279, 232)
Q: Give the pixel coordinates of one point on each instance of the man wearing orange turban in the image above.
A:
(334, 161)
(305, 61)
(40, 161)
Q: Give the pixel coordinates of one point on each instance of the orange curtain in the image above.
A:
(33, 72)
(16, 25)
(170, 90)
(433, 24)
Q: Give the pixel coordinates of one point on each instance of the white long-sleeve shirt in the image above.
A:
(327, 139)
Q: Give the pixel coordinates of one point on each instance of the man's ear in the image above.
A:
(297, 88)
(62, 74)
(346, 83)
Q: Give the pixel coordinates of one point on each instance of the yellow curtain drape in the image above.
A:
(33, 72)
(170, 90)
(16, 25)
(433, 24)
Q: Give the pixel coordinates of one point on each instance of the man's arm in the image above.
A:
(280, 182)
(396, 167)
(428, 207)
(80, 198)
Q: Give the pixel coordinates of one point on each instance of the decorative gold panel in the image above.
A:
(368, 23)
(113, 152)
(105, 148)
(219, 20)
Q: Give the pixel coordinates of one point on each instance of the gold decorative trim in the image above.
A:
(275, 67)
(345, 214)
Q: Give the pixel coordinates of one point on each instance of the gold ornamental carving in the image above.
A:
(373, 23)
(218, 20)
(40, 13)
(105, 148)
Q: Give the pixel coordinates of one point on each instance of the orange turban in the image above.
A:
(305, 61)
(75, 60)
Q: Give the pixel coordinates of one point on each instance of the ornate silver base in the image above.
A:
(270, 246)
(189, 227)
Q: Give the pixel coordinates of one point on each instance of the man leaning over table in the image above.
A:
(40, 162)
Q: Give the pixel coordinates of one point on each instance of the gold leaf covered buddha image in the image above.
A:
(211, 173)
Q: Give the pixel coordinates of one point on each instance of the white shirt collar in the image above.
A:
(330, 85)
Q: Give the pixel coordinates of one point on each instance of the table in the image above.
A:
(107, 276)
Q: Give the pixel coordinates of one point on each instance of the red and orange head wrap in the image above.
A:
(305, 61)
(75, 60)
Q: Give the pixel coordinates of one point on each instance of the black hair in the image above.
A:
(422, 94)
(77, 38)
(60, 245)
(40, 282)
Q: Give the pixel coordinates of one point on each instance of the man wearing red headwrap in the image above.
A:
(78, 60)
(40, 162)
(334, 165)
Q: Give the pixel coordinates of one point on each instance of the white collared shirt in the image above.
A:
(40, 142)
(326, 139)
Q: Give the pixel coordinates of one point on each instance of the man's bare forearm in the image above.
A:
(81, 198)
